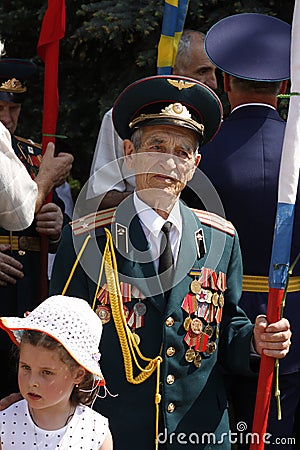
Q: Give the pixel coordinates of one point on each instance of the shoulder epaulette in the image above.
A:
(93, 221)
(28, 142)
(215, 221)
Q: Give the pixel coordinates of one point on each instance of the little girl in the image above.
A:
(58, 376)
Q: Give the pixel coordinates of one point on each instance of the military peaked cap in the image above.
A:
(168, 99)
(13, 75)
(251, 46)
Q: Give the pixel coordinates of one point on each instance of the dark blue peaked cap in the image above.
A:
(13, 75)
(251, 46)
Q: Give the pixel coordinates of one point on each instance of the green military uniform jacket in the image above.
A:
(194, 402)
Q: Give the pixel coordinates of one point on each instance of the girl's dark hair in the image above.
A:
(40, 339)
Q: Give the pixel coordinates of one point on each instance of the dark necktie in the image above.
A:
(165, 266)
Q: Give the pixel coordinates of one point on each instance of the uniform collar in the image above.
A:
(253, 104)
(153, 221)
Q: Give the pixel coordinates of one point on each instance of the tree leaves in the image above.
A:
(108, 44)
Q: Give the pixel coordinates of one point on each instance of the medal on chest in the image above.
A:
(134, 316)
(203, 305)
(31, 156)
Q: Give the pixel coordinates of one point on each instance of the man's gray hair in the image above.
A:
(184, 46)
(136, 138)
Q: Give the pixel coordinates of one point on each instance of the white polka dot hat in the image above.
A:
(69, 320)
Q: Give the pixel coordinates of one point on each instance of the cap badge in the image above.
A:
(13, 85)
(178, 109)
(180, 84)
(174, 111)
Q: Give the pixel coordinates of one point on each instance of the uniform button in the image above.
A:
(170, 379)
(170, 321)
(171, 407)
(21, 252)
(170, 351)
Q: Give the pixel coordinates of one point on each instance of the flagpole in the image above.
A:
(53, 29)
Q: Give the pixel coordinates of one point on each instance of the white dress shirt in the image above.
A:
(152, 223)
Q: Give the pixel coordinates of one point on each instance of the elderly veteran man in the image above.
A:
(168, 299)
(117, 181)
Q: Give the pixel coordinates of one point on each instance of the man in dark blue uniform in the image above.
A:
(253, 51)
(165, 280)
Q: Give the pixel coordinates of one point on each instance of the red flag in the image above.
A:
(265, 379)
(53, 29)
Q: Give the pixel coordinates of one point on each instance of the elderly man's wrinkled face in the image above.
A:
(165, 160)
(9, 115)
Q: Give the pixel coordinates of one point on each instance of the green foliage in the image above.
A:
(108, 44)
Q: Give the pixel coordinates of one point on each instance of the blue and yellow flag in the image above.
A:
(172, 26)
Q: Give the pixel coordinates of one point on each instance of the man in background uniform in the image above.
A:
(21, 197)
(20, 251)
(253, 51)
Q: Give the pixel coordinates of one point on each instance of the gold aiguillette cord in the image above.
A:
(128, 344)
(129, 347)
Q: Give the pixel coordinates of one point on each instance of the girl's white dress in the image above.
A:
(86, 430)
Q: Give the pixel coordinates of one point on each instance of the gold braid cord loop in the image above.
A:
(130, 349)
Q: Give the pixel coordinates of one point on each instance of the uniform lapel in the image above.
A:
(188, 258)
(135, 263)
(188, 249)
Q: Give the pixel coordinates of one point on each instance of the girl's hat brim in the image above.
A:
(68, 320)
